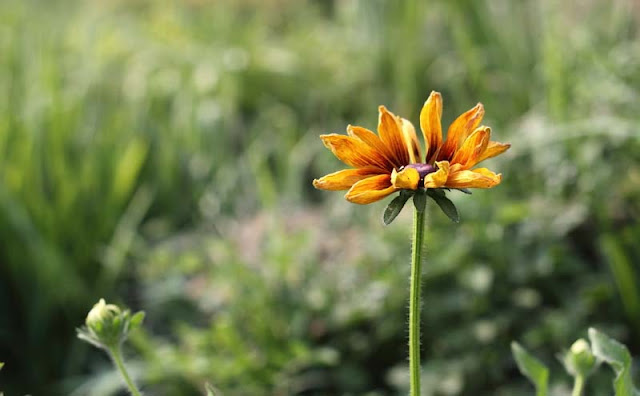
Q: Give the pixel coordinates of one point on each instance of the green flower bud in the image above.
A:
(579, 360)
(101, 313)
(107, 326)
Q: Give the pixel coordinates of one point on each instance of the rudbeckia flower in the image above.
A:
(393, 160)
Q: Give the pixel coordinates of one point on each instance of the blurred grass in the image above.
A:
(160, 153)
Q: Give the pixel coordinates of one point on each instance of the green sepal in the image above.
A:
(136, 319)
(395, 206)
(464, 190)
(420, 200)
(618, 357)
(445, 204)
(531, 368)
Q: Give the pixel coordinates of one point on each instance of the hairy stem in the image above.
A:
(414, 302)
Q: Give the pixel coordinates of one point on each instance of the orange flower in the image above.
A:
(393, 160)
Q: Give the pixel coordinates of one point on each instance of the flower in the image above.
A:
(393, 159)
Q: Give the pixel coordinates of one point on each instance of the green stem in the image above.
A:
(116, 356)
(578, 384)
(414, 302)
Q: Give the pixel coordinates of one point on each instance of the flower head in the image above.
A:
(393, 159)
(107, 325)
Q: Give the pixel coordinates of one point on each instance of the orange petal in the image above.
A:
(476, 178)
(407, 179)
(344, 179)
(373, 141)
(431, 124)
(462, 127)
(370, 190)
(493, 149)
(390, 131)
(411, 140)
(467, 155)
(354, 152)
(438, 178)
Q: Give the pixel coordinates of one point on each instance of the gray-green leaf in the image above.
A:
(395, 206)
(445, 204)
(531, 368)
(618, 357)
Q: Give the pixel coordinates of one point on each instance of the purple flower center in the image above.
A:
(423, 169)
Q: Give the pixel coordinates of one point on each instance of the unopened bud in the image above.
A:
(107, 325)
(101, 313)
(579, 360)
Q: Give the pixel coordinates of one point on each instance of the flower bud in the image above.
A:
(107, 326)
(579, 360)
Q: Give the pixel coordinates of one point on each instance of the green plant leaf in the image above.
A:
(531, 368)
(420, 200)
(616, 355)
(395, 206)
(445, 204)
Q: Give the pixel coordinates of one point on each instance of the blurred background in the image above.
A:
(160, 154)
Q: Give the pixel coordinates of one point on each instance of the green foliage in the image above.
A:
(445, 204)
(394, 207)
(532, 368)
(618, 357)
(580, 363)
(161, 153)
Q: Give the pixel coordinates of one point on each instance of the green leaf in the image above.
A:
(465, 190)
(395, 206)
(420, 200)
(531, 368)
(618, 357)
(445, 204)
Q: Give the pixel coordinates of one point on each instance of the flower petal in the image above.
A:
(390, 131)
(374, 142)
(407, 179)
(493, 149)
(411, 140)
(438, 178)
(431, 124)
(344, 179)
(370, 190)
(462, 127)
(354, 152)
(473, 146)
(475, 178)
